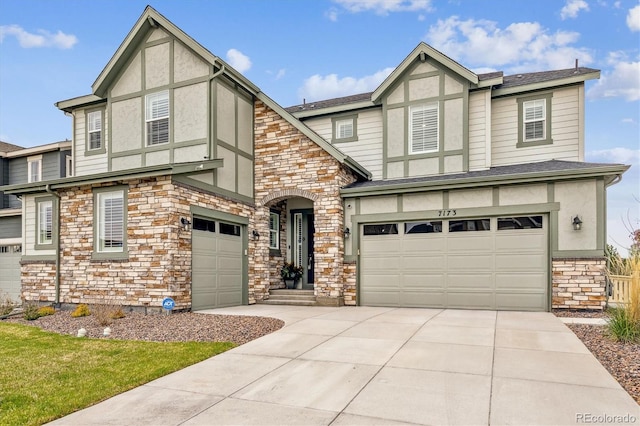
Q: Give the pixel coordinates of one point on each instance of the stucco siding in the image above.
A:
(577, 198)
(565, 131)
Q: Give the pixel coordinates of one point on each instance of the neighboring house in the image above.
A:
(442, 188)
(20, 165)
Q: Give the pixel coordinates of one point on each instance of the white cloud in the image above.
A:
(619, 155)
(572, 8)
(628, 121)
(633, 19)
(384, 7)
(332, 14)
(331, 86)
(520, 47)
(238, 60)
(43, 38)
(622, 81)
(278, 74)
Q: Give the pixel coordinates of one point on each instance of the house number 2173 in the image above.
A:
(443, 213)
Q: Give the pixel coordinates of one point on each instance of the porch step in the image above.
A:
(291, 297)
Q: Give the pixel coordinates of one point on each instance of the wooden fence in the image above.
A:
(622, 287)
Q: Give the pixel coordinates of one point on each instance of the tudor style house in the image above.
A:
(20, 165)
(442, 188)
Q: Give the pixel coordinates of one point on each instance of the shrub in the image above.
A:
(106, 313)
(31, 311)
(6, 304)
(81, 310)
(46, 310)
(622, 327)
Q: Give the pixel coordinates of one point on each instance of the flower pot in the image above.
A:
(290, 283)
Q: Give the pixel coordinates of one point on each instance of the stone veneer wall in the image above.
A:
(350, 283)
(159, 249)
(38, 280)
(288, 164)
(579, 283)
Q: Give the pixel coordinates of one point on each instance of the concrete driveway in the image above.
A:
(345, 366)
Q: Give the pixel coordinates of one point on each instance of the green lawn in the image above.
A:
(45, 375)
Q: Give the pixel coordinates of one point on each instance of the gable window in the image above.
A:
(345, 128)
(274, 231)
(157, 118)
(110, 221)
(34, 168)
(44, 222)
(423, 128)
(94, 130)
(534, 121)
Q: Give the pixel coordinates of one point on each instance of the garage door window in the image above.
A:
(381, 229)
(520, 222)
(469, 225)
(229, 229)
(204, 225)
(422, 227)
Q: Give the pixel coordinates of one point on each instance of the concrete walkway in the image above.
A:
(346, 366)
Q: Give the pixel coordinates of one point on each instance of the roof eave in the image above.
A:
(121, 175)
(57, 146)
(70, 104)
(486, 181)
(581, 78)
(334, 110)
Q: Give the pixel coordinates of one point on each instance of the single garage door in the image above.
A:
(10, 271)
(216, 264)
(486, 263)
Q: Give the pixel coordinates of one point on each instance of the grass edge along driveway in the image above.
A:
(44, 375)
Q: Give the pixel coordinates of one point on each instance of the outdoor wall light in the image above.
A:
(185, 223)
(256, 235)
(577, 223)
(347, 232)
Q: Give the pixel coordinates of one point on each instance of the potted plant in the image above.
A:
(291, 273)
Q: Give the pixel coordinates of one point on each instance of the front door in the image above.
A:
(303, 230)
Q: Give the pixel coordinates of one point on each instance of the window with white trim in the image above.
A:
(534, 120)
(94, 130)
(111, 221)
(344, 129)
(423, 128)
(34, 169)
(274, 231)
(45, 222)
(157, 118)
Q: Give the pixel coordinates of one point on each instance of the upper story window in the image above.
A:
(94, 130)
(157, 118)
(423, 128)
(534, 120)
(34, 168)
(345, 128)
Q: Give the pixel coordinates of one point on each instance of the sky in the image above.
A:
(53, 50)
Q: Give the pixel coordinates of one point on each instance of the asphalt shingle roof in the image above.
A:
(516, 169)
(8, 147)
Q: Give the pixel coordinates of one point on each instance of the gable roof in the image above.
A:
(8, 147)
(421, 51)
(150, 19)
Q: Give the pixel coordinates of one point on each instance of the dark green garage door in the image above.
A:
(217, 273)
(484, 263)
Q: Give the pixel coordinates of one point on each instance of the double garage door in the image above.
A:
(217, 272)
(485, 263)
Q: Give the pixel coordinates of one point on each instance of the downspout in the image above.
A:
(57, 276)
